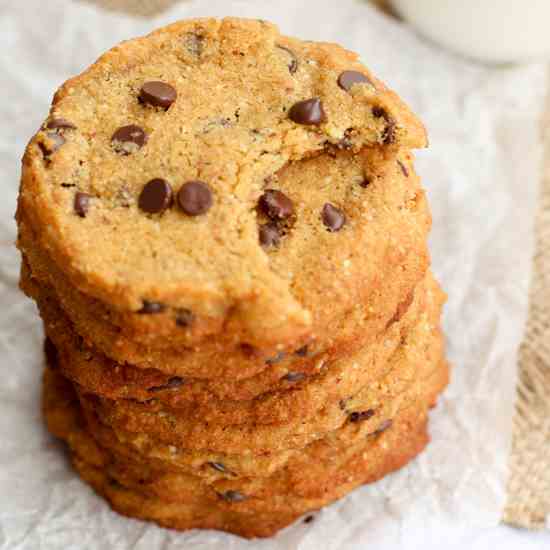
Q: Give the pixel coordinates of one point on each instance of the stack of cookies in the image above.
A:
(226, 239)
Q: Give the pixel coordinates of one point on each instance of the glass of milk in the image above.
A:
(498, 31)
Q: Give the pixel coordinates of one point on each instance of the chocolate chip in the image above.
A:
(158, 94)
(172, 383)
(82, 204)
(55, 141)
(366, 182)
(301, 352)
(60, 124)
(293, 65)
(68, 185)
(388, 136)
(276, 359)
(232, 496)
(219, 467)
(51, 353)
(361, 416)
(383, 427)
(308, 112)
(195, 198)
(248, 350)
(114, 484)
(403, 169)
(156, 196)
(333, 218)
(128, 139)
(184, 317)
(294, 376)
(276, 205)
(309, 519)
(269, 235)
(348, 78)
(151, 308)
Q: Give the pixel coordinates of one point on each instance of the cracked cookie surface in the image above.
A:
(148, 173)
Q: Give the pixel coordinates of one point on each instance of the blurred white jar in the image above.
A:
(490, 30)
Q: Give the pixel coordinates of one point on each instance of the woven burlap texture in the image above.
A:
(529, 483)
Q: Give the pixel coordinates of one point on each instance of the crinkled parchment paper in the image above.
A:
(481, 171)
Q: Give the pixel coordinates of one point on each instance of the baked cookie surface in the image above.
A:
(157, 171)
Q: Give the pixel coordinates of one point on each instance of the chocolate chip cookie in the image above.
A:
(154, 168)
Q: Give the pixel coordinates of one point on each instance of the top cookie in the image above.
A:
(153, 185)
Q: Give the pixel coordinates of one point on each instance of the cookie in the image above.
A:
(148, 153)
(395, 223)
(290, 375)
(187, 507)
(226, 238)
(294, 405)
(216, 467)
(172, 426)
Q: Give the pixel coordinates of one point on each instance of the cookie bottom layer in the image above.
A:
(256, 517)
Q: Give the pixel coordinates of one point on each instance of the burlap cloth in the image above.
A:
(529, 482)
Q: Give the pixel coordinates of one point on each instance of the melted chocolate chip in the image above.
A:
(82, 204)
(294, 376)
(156, 196)
(308, 112)
(276, 359)
(232, 496)
(151, 308)
(333, 218)
(302, 352)
(184, 317)
(60, 124)
(172, 383)
(269, 235)
(388, 136)
(403, 169)
(276, 205)
(361, 416)
(158, 94)
(128, 139)
(114, 484)
(348, 78)
(293, 65)
(51, 353)
(248, 350)
(366, 182)
(195, 198)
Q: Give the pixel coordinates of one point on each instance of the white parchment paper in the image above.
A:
(481, 172)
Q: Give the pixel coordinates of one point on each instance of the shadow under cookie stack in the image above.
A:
(226, 239)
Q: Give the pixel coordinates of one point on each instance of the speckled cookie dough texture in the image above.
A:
(153, 183)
